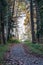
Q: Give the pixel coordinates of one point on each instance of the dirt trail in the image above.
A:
(17, 56)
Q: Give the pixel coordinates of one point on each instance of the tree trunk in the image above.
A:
(38, 21)
(9, 25)
(32, 23)
(13, 8)
(2, 25)
(3, 35)
(10, 18)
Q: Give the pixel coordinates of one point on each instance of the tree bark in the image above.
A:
(3, 35)
(38, 21)
(32, 22)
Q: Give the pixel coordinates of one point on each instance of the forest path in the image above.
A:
(17, 56)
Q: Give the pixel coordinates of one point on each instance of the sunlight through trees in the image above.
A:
(11, 10)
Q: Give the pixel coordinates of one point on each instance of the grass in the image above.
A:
(36, 48)
(3, 49)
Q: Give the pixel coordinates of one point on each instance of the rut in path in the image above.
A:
(17, 56)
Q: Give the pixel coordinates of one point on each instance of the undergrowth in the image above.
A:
(36, 48)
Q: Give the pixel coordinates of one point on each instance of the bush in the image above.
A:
(13, 41)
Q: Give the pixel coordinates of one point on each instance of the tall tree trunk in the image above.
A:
(38, 20)
(0, 21)
(9, 25)
(2, 24)
(3, 35)
(10, 18)
(32, 22)
(13, 8)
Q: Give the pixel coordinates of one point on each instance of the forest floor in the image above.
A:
(17, 55)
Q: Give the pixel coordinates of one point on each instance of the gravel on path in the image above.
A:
(17, 56)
